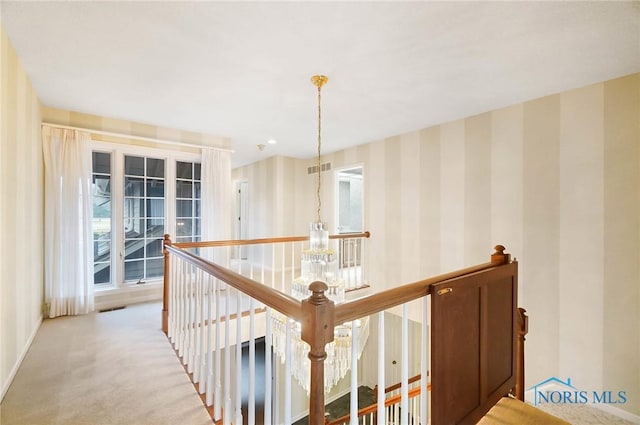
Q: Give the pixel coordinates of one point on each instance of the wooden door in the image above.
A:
(473, 344)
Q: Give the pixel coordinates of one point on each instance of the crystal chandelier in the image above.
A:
(319, 263)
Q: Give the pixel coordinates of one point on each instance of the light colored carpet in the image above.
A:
(101, 369)
(583, 414)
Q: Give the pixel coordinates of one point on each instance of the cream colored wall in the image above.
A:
(272, 201)
(556, 180)
(21, 217)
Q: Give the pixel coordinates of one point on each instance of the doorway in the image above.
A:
(242, 203)
(350, 214)
(350, 199)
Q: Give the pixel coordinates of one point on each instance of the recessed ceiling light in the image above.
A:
(272, 141)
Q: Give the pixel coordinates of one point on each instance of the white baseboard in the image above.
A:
(16, 366)
(132, 294)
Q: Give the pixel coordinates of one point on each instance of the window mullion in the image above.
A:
(118, 231)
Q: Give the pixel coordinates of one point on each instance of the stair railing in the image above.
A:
(200, 292)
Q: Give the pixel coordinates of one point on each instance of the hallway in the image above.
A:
(108, 368)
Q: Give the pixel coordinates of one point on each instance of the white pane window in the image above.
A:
(101, 199)
(144, 217)
(138, 196)
(188, 202)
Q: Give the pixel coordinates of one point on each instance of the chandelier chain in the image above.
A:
(319, 151)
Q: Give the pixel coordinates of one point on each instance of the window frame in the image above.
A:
(118, 152)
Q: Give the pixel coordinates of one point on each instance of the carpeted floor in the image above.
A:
(102, 369)
(118, 368)
(584, 415)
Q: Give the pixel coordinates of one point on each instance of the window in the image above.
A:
(138, 196)
(101, 200)
(144, 196)
(187, 202)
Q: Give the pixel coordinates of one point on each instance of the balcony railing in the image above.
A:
(215, 302)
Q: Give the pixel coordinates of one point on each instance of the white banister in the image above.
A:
(267, 369)
(198, 325)
(404, 391)
(238, 368)
(424, 379)
(252, 364)
(182, 314)
(200, 310)
(293, 261)
(354, 375)
(227, 359)
(210, 296)
(381, 366)
(217, 410)
(287, 374)
(191, 320)
(273, 266)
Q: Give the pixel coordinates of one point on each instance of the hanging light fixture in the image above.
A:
(319, 263)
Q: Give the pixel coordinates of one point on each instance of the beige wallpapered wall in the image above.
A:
(556, 180)
(21, 219)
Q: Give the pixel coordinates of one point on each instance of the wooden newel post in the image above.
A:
(165, 288)
(499, 257)
(523, 329)
(318, 325)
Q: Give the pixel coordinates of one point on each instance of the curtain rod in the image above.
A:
(132, 137)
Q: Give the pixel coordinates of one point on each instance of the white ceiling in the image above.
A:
(241, 70)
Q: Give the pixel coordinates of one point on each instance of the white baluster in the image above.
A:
(238, 416)
(217, 404)
(267, 368)
(210, 295)
(183, 321)
(178, 307)
(349, 248)
(354, 375)
(364, 262)
(293, 260)
(282, 266)
(204, 327)
(227, 359)
(287, 374)
(381, 364)
(262, 267)
(273, 265)
(197, 324)
(252, 364)
(192, 319)
(424, 379)
(171, 312)
(404, 391)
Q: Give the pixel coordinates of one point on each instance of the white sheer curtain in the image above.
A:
(216, 195)
(68, 216)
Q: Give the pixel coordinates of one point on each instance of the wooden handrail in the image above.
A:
(398, 385)
(284, 303)
(238, 242)
(371, 304)
(414, 392)
(317, 314)
(375, 303)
